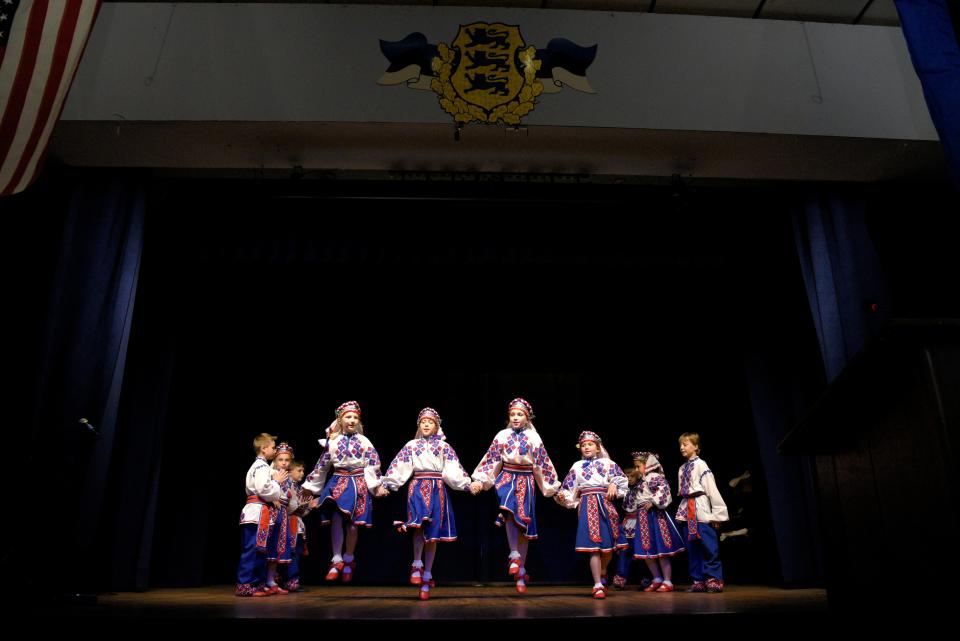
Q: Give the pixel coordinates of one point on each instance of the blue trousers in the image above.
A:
(624, 557)
(704, 553)
(293, 569)
(253, 565)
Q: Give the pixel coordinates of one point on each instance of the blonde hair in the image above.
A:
(693, 437)
(633, 475)
(261, 440)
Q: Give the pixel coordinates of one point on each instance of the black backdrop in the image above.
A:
(261, 310)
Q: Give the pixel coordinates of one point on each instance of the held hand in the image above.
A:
(715, 525)
(380, 492)
(475, 487)
(611, 491)
(314, 503)
(276, 504)
(646, 505)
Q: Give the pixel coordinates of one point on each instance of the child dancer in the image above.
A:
(263, 488)
(432, 462)
(282, 540)
(702, 510)
(306, 504)
(514, 460)
(590, 486)
(656, 537)
(345, 497)
(628, 528)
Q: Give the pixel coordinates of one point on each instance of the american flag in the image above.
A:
(41, 42)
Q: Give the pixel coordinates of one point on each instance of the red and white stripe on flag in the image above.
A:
(41, 42)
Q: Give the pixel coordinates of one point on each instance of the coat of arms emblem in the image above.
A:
(488, 73)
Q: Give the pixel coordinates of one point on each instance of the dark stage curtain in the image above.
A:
(282, 309)
(845, 286)
(134, 491)
(931, 28)
(780, 391)
(846, 304)
(82, 364)
(784, 375)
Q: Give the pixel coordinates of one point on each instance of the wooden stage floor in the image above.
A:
(455, 605)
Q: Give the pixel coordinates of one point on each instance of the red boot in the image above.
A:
(334, 572)
(425, 588)
(521, 580)
(714, 585)
(416, 575)
(347, 577)
(654, 585)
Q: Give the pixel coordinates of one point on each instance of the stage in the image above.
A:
(475, 606)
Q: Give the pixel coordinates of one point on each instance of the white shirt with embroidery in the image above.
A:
(430, 454)
(345, 452)
(303, 508)
(518, 447)
(260, 483)
(289, 496)
(631, 501)
(652, 487)
(696, 478)
(595, 473)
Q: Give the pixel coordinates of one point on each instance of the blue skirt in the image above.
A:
(347, 492)
(517, 492)
(429, 508)
(599, 525)
(280, 543)
(656, 536)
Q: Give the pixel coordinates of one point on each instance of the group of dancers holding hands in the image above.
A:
(516, 463)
